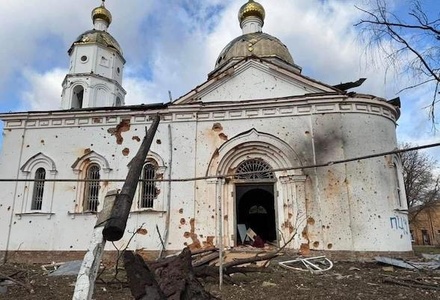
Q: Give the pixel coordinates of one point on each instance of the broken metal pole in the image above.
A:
(115, 227)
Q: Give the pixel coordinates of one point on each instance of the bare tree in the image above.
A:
(422, 187)
(410, 42)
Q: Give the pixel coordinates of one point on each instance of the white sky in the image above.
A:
(173, 45)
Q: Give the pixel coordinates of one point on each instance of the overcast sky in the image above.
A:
(171, 45)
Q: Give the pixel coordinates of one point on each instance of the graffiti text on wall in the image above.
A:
(399, 223)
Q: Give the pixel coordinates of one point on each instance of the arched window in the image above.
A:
(397, 182)
(148, 186)
(398, 189)
(118, 101)
(254, 169)
(37, 193)
(37, 196)
(78, 96)
(91, 191)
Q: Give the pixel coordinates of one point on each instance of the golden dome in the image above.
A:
(257, 44)
(99, 37)
(251, 8)
(102, 13)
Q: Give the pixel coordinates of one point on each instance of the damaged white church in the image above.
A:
(237, 151)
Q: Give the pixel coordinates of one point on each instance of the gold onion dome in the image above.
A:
(100, 37)
(102, 13)
(253, 9)
(254, 43)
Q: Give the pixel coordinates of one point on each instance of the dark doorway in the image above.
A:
(425, 237)
(255, 208)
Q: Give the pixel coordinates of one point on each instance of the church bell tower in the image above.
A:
(96, 67)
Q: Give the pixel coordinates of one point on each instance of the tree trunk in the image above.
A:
(141, 280)
(175, 278)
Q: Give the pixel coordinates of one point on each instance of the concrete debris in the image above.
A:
(51, 267)
(70, 268)
(340, 276)
(314, 265)
(267, 283)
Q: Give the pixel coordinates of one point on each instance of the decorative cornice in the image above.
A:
(274, 108)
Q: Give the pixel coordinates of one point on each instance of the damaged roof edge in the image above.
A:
(138, 107)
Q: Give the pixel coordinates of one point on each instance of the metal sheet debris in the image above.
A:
(314, 265)
(394, 262)
(70, 268)
(411, 265)
(431, 256)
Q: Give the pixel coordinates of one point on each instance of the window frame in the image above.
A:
(28, 172)
(91, 188)
(38, 189)
(159, 196)
(81, 167)
(148, 190)
(398, 180)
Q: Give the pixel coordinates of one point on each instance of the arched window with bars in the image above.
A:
(254, 169)
(148, 186)
(37, 195)
(91, 191)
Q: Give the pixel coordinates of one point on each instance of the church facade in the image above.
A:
(258, 145)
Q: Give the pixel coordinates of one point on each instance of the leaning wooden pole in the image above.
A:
(115, 227)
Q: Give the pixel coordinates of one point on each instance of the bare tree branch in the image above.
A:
(391, 24)
(408, 43)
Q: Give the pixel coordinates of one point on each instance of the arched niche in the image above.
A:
(39, 160)
(78, 96)
(253, 144)
(89, 158)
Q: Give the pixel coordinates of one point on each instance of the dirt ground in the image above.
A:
(346, 280)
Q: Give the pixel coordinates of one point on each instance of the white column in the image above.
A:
(293, 218)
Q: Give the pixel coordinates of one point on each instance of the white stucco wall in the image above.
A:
(340, 207)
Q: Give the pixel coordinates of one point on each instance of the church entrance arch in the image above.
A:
(255, 202)
(260, 191)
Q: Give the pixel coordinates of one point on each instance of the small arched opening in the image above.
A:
(118, 101)
(78, 96)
